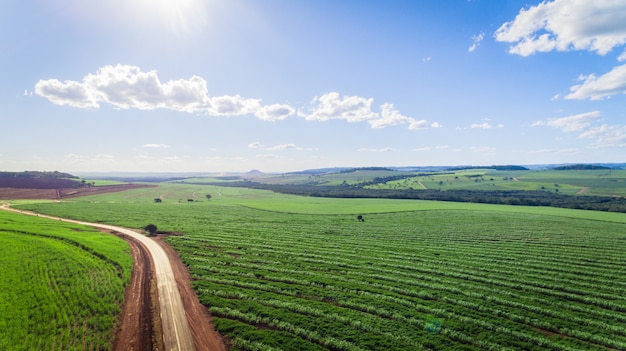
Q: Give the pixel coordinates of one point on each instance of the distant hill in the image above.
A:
(580, 167)
(495, 168)
(38, 180)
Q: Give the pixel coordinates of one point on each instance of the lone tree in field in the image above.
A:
(151, 229)
(208, 196)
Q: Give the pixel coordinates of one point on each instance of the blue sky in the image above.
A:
(283, 85)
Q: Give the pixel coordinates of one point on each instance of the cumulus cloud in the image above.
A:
(389, 116)
(358, 109)
(585, 124)
(332, 106)
(573, 123)
(598, 88)
(126, 87)
(274, 112)
(565, 25)
(476, 39)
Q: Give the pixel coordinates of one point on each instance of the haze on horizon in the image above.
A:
(278, 85)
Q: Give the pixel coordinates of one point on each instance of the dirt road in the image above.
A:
(176, 332)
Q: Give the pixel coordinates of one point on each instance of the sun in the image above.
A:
(180, 17)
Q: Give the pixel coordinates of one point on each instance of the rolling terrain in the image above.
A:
(289, 272)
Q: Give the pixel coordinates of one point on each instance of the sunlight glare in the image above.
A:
(180, 17)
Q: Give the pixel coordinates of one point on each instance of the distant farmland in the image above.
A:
(288, 272)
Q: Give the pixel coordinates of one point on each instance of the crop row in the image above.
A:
(57, 293)
(438, 279)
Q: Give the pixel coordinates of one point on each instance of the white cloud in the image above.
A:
(436, 125)
(565, 25)
(423, 149)
(266, 156)
(622, 57)
(358, 109)
(484, 125)
(66, 93)
(105, 157)
(289, 146)
(385, 149)
(606, 136)
(476, 39)
(601, 136)
(431, 148)
(598, 88)
(126, 86)
(274, 112)
(282, 147)
(349, 108)
(156, 146)
(573, 123)
(389, 116)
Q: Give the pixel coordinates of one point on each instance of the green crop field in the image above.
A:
(583, 182)
(569, 182)
(283, 272)
(61, 285)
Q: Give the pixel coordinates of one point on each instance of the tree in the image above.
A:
(208, 196)
(151, 229)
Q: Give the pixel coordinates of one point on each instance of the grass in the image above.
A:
(61, 286)
(287, 272)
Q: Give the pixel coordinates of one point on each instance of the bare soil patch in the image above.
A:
(139, 325)
(58, 194)
(136, 332)
(20, 193)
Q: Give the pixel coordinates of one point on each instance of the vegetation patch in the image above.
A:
(62, 285)
(278, 270)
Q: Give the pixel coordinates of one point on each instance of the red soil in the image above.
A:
(139, 322)
(58, 194)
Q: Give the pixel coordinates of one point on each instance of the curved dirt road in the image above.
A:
(176, 333)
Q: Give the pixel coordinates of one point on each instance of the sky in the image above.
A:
(283, 85)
